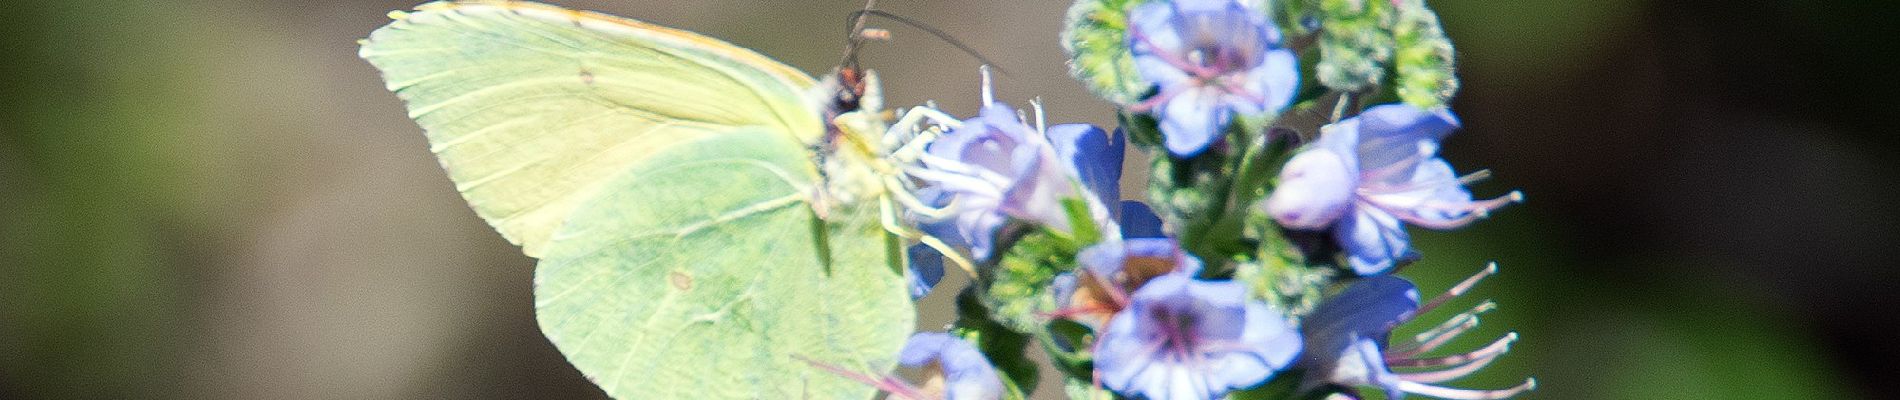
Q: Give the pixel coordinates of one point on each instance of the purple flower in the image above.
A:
(1182, 338)
(994, 168)
(967, 375)
(1368, 174)
(987, 165)
(1347, 344)
(1095, 156)
(1140, 221)
(1131, 262)
(926, 269)
(1111, 270)
(1211, 59)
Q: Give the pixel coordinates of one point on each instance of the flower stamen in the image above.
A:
(1438, 336)
(1460, 364)
(1459, 289)
(1467, 394)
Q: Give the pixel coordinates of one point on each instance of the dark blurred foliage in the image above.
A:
(1717, 166)
(216, 199)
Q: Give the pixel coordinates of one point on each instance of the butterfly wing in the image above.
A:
(531, 108)
(703, 273)
(664, 181)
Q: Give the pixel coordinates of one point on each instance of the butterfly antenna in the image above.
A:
(854, 34)
(856, 22)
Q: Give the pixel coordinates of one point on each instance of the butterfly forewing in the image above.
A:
(530, 107)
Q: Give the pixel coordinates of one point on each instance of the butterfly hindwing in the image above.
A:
(699, 275)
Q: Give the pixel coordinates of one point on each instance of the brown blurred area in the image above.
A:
(217, 199)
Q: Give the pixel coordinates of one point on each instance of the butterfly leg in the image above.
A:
(909, 142)
(905, 133)
(914, 150)
(888, 213)
(902, 194)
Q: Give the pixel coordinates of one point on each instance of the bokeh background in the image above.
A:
(217, 199)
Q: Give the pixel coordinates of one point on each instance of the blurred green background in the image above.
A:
(217, 199)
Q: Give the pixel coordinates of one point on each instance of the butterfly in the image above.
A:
(704, 216)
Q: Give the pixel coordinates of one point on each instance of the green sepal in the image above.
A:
(1096, 38)
(1016, 288)
(1063, 341)
(1190, 194)
(1355, 43)
(1309, 98)
(1427, 72)
(1293, 16)
(1003, 346)
(1068, 345)
(1209, 197)
(1080, 389)
(1143, 130)
(1279, 273)
(1081, 220)
(1284, 385)
(1257, 169)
